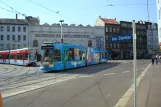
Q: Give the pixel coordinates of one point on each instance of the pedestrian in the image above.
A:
(153, 57)
(157, 58)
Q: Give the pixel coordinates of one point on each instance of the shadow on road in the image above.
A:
(88, 69)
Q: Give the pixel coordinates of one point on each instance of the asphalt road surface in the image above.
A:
(94, 86)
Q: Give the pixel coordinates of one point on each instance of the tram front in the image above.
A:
(47, 58)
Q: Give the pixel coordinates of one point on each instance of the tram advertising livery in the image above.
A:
(61, 56)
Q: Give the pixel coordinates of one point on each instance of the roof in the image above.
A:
(109, 21)
(25, 21)
(13, 21)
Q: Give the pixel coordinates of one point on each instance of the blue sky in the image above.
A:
(82, 11)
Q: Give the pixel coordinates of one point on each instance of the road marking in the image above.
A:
(20, 90)
(83, 76)
(125, 71)
(110, 74)
(123, 101)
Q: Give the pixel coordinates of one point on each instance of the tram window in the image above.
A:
(106, 55)
(7, 56)
(1, 56)
(26, 56)
(84, 55)
(81, 55)
(11, 56)
(71, 54)
(103, 55)
(19, 56)
(57, 55)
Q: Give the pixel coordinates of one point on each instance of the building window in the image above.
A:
(1, 37)
(118, 45)
(8, 46)
(8, 28)
(24, 45)
(24, 29)
(13, 46)
(19, 29)
(114, 29)
(106, 45)
(110, 29)
(114, 45)
(13, 37)
(13, 29)
(106, 29)
(2, 47)
(8, 37)
(24, 37)
(35, 43)
(1, 28)
(110, 45)
(118, 30)
(18, 46)
(19, 37)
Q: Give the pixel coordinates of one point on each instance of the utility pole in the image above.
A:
(134, 60)
(61, 31)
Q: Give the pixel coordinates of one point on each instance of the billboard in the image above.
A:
(121, 38)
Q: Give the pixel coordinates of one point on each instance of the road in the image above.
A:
(94, 86)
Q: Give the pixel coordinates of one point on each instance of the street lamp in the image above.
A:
(61, 30)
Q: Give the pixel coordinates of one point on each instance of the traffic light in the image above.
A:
(89, 43)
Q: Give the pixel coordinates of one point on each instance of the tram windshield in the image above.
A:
(47, 55)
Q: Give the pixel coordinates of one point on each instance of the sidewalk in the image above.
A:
(149, 89)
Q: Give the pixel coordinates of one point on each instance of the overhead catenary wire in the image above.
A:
(12, 8)
(56, 12)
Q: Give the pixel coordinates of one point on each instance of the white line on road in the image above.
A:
(110, 74)
(85, 76)
(142, 68)
(24, 89)
(123, 101)
(125, 71)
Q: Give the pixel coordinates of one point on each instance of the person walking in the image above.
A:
(153, 57)
(157, 58)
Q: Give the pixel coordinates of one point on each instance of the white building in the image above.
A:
(79, 35)
(14, 32)
(158, 3)
(152, 38)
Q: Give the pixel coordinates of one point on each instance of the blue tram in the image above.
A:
(61, 56)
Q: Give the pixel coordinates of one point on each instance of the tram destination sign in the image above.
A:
(121, 38)
(47, 47)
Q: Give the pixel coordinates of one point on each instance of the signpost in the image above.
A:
(134, 60)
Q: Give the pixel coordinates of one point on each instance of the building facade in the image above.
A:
(158, 4)
(111, 27)
(152, 38)
(78, 35)
(14, 33)
(126, 48)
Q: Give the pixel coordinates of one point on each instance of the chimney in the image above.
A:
(16, 16)
(99, 16)
(115, 18)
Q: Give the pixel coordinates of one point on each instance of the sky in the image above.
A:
(81, 11)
